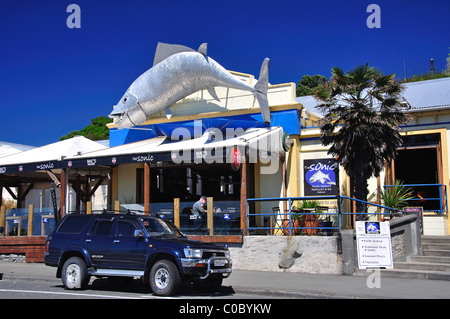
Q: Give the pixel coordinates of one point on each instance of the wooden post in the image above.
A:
(62, 193)
(1, 194)
(210, 218)
(89, 208)
(2, 219)
(244, 198)
(176, 212)
(30, 219)
(146, 188)
(116, 207)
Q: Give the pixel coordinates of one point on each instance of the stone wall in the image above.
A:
(306, 254)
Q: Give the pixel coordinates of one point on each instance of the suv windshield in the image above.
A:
(160, 227)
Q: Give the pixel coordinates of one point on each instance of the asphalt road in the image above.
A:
(101, 289)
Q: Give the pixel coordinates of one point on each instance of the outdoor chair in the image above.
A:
(274, 221)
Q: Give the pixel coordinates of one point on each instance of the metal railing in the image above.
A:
(442, 190)
(287, 226)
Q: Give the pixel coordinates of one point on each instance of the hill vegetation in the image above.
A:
(95, 131)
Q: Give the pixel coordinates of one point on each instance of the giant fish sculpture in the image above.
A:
(177, 72)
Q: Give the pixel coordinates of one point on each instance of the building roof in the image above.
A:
(12, 148)
(48, 156)
(421, 95)
(428, 94)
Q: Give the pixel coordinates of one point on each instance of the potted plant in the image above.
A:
(396, 197)
(311, 221)
(296, 222)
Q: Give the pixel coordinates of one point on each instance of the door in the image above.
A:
(128, 251)
(97, 242)
(419, 162)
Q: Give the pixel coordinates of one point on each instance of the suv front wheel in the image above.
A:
(165, 279)
(74, 273)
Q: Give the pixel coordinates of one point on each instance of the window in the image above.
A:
(73, 224)
(188, 183)
(101, 228)
(126, 228)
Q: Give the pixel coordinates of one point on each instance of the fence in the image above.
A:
(222, 218)
(307, 221)
(26, 221)
(441, 190)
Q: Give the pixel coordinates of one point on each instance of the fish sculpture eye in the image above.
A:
(125, 99)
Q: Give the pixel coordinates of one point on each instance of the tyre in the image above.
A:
(164, 278)
(74, 274)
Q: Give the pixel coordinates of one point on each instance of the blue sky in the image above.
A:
(54, 80)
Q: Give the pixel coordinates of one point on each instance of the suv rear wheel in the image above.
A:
(74, 273)
(165, 279)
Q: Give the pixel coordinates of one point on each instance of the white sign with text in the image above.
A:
(374, 247)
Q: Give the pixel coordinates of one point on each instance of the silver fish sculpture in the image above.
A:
(177, 72)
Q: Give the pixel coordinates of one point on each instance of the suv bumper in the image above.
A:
(205, 267)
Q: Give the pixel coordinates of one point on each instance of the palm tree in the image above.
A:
(361, 123)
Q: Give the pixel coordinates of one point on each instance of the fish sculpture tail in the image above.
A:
(260, 92)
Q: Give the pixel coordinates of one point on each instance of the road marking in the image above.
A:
(67, 293)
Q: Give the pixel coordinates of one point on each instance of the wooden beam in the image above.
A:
(244, 197)
(97, 185)
(22, 196)
(11, 192)
(176, 211)
(146, 188)
(30, 220)
(62, 193)
(210, 218)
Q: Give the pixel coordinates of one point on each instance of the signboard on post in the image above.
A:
(320, 177)
(374, 247)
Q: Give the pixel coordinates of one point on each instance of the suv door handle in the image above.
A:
(116, 241)
(88, 240)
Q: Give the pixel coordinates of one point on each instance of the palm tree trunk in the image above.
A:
(361, 192)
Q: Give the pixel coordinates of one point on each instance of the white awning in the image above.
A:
(46, 157)
(210, 147)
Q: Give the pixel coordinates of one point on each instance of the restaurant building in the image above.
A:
(224, 151)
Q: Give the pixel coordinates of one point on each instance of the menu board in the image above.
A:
(374, 244)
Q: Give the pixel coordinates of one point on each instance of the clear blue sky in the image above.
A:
(54, 80)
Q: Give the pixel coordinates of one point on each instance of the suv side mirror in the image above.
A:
(138, 233)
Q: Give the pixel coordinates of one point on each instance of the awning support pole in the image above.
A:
(147, 188)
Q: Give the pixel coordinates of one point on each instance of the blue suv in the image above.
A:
(122, 247)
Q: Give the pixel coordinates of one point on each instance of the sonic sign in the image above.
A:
(320, 177)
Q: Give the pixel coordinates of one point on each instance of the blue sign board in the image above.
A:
(320, 177)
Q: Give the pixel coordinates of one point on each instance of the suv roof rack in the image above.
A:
(129, 212)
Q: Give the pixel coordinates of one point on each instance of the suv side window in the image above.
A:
(73, 224)
(101, 228)
(126, 228)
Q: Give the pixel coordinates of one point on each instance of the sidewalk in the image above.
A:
(284, 284)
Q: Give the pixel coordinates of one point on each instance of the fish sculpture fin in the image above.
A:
(168, 113)
(260, 92)
(203, 49)
(165, 50)
(213, 93)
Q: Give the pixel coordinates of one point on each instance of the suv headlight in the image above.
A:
(193, 253)
(227, 254)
